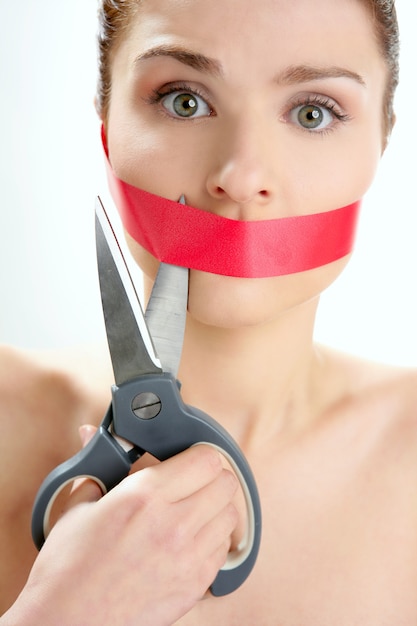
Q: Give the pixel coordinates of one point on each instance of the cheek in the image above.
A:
(356, 175)
(340, 171)
(137, 157)
(136, 150)
(149, 156)
(354, 169)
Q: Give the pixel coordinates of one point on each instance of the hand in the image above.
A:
(144, 553)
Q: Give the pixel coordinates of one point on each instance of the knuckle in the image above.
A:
(210, 458)
(208, 569)
(188, 567)
(176, 538)
(137, 493)
(230, 480)
(232, 516)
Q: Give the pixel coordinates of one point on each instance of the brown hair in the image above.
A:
(115, 17)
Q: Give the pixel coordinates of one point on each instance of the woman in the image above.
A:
(254, 111)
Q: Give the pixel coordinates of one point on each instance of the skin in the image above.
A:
(332, 440)
(250, 163)
(248, 158)
(178, 514)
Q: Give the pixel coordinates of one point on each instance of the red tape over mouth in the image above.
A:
(179, 234)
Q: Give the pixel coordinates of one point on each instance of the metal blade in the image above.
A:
(166, 314)
(130, 344)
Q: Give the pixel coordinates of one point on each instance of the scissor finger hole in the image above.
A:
(244, 536)
(75, 490)
(239, 536)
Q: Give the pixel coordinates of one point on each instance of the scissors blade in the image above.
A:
(166, 314)
(130, 344)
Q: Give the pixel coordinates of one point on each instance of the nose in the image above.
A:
(242, 170)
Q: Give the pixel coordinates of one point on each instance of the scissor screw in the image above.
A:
(146, 405)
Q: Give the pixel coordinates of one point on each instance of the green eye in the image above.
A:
(310, 116)
(185, 105)
(314, 116)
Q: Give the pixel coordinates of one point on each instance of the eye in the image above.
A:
(185, 104)
(315, 113)
(312, 116)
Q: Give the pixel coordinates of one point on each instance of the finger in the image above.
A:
(86, 433)
(183, 474)
(84, 490)
(208, 502)
(214, 541)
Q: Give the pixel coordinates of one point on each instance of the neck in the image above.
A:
(256, 381)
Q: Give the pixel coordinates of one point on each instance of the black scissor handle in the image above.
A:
(103, 460)
(150, 412)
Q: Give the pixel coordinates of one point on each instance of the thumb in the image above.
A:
(86, 433)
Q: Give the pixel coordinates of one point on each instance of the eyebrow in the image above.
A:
(290, 76)
(195, 60)
(306, 73)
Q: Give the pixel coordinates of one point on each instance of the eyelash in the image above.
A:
(321, 101)
(158, 94)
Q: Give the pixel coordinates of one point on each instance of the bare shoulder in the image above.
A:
(362, 376)
(48, 390)
(383, 397)
(44, 398)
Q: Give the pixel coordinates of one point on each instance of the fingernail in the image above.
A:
(86, 431)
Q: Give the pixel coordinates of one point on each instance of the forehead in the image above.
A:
(265, 29)
(254, 42)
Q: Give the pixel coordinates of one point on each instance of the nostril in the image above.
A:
(219, 191)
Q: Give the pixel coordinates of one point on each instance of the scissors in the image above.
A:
(147, 413)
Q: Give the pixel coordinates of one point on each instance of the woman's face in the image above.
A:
(253, 110)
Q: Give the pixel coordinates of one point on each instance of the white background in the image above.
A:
(51, 170)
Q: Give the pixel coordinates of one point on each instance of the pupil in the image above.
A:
(310, 116)
(185, 105)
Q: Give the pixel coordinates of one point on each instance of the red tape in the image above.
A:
(182, 235)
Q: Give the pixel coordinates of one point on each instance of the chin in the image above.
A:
(225, 301)
(228, 302)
